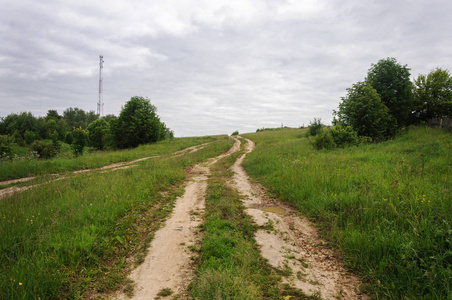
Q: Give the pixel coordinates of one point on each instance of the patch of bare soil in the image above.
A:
(290, 243)
(168, 264)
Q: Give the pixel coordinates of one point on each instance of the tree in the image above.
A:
(433, 95)
(76, 117)
(392, 82)
(79, 137)
(97, 131)
(137, 124)
(363, 110)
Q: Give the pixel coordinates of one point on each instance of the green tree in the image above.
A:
(363, 110)
(392, 82)
(79, 138)
(97, 132)
(5, 146)
(433, 95)
(137, 124)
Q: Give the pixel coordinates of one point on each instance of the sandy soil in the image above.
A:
(290, 243)
(168, 264)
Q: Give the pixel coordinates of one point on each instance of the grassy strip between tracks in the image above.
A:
(78, 237)
(387, 206)
(26, 166)
(229, 262)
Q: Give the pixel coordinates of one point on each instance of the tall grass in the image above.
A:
(387, 206)
(26, 166)
(73, 237)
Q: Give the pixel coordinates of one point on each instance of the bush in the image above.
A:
(314, 127)
(43, 149)
(5, 146)
(97, 132)
(324, 140)
(235, 132)
(79, 140)
(344, 136)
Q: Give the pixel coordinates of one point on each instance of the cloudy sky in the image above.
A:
(211, 66)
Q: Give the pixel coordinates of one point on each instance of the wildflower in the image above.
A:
(20, 283)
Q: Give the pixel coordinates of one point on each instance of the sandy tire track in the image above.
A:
(168, 263)
(291, 243)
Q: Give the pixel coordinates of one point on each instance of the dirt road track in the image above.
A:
(111, 167)
(290, 243)
(168, 263)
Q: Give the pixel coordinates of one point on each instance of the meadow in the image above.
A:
(24, 164)
(78, 237)
(386, 207)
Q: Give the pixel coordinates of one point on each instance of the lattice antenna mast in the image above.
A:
(100, 102)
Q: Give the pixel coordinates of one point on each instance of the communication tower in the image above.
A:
(100, 102)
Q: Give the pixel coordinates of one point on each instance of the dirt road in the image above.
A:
(289, 242)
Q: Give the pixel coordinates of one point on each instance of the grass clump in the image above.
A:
(386, 206)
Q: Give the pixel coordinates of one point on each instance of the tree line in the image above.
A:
(376, 108)
(137, 123)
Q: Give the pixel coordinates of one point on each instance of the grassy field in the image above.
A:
(25, 165)
(386, 206)
(75, 237)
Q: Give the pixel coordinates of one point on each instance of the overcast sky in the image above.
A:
(213, 66)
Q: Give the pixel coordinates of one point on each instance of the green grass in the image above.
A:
(230, 265)
(24, 166)
(386, 206)
(75, 237)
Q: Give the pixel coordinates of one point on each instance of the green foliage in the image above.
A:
(76, 117)
(386, 206)
(137, 124)
(5, 146)
(392, 82)
(80, 137)
(235, 132)
(43, 149)
(344, 136)
(29, 137)
(314, 127)
(363, 110)
(323, 140)
(98, 131)
(433, 95)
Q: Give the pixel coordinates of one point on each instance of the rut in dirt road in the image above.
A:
(290, 243)
(168, 264)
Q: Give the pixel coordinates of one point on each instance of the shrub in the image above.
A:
(344, 136)
(5, 146)
(324, 140)
(79, 140)
(97, 131)
(235, 132)
(43, 149)
(314, 127)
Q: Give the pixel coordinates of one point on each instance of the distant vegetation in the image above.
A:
(386, 101)
(138, 123)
